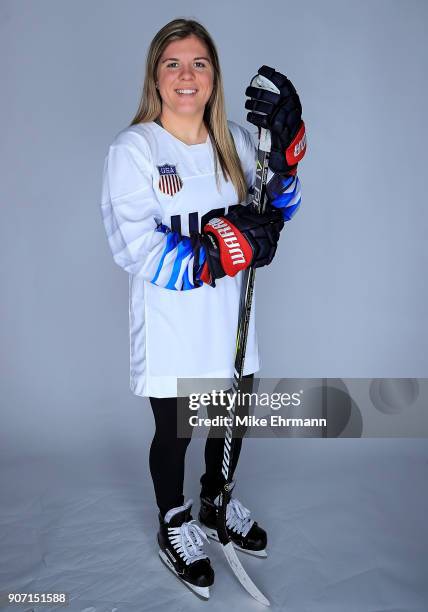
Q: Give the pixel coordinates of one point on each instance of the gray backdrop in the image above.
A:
(345, 296)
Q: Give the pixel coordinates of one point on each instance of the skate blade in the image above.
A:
(242, 575)
(212, 533)
(202, 592)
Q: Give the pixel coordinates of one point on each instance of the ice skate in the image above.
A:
(245, 533)
(181, 541)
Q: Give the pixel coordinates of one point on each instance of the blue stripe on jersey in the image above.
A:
(287, 181)
(186, 282)
(171, 243)
(290, 211)
(183, 247)
(200, 265)
(163, 228)
(289, 198)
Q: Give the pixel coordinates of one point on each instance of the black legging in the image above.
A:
(168, 451)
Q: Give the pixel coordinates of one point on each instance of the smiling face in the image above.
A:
(185, 77)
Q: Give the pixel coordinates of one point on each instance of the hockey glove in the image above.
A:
(281, 114)
(242, 238)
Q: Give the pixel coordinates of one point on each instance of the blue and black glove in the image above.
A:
(281, 114)
(241, 238)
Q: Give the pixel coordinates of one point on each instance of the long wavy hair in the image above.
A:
(215, 118)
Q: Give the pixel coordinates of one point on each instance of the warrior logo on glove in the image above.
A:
(242, 238)
(237, 251)
(297, 148)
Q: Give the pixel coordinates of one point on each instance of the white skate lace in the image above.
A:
(238, 517)
(187, 541)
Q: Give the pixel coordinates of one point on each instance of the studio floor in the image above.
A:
(346, 521)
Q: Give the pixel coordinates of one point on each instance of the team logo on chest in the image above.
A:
(169, 181)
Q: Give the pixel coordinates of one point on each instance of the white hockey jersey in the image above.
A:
(156, 190)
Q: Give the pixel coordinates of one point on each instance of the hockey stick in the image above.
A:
(263, 153)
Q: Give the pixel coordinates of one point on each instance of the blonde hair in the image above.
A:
(215, 118)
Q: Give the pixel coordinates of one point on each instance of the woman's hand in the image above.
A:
(281, 114)
(242, 238)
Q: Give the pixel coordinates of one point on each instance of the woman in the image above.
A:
(174, 186)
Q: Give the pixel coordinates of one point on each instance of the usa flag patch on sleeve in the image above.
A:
(169, 181)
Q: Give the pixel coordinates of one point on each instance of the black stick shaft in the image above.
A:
(248, 279)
